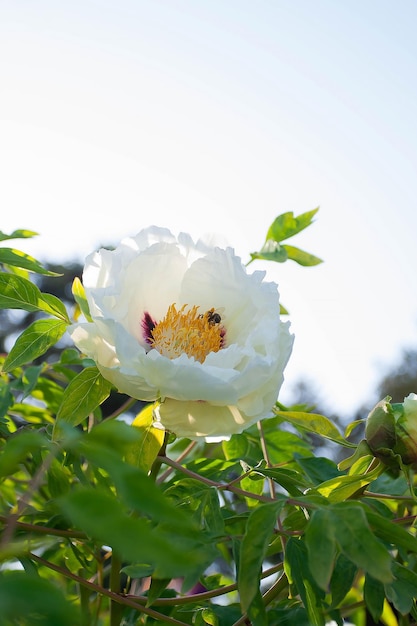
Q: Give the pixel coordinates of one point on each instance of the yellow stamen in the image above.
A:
(187, 331)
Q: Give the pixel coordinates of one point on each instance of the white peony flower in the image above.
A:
(185, 323)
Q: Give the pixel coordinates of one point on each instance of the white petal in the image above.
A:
(195, 420)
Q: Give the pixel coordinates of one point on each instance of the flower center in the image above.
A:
(188, 331)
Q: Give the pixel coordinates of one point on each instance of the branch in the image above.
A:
(115, 597)
(212, 483)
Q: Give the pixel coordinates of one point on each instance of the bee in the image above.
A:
(213, 317)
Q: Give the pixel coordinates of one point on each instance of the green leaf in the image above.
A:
(17, 292)
(256, 611)
(58, 479)
(284, 446)
(390, 532)
(314, 423)
(289, 615)
(351, 530)
(31, 413)
(318, 469)
(30, 599)
(145, 449)
(289, 479)
(374, 596)
(10, 256)
(6, 397)
(298, 572)
(141, 570)
(254, 545)
(403, 589)
(362, 450)
(236, 448)
(341, 488)
(17, 448)
(301, 257)
(53, 305)
(84, 394)
(271, 251)
(103, 517)
(321, 546)
(344, 574)
(157, 586)
(286, 225)
(30, 377)
(213, 519)
(18, 234)
(34, 342)
(104, 446)
(80, 298)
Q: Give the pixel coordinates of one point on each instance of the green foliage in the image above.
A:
(104, 523)
(282, 228)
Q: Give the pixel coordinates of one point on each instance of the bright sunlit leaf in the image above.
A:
(18, 234)
(34, 342)
(17, 292)
(144, 451)
(83, 395)
(315, 423)
(79, 296)
(9, 256)
(287, 225)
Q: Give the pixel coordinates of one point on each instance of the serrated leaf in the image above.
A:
(144, 451)
(10, 256)
(80, 298)
(254, 545)
(315, 423)
(34, 342)
(286, 225)
(84, 394)
(301, 257)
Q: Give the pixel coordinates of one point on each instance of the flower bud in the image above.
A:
(380, 431)
(391, 431)
(406, 429)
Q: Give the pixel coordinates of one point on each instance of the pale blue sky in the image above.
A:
(216, 116)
